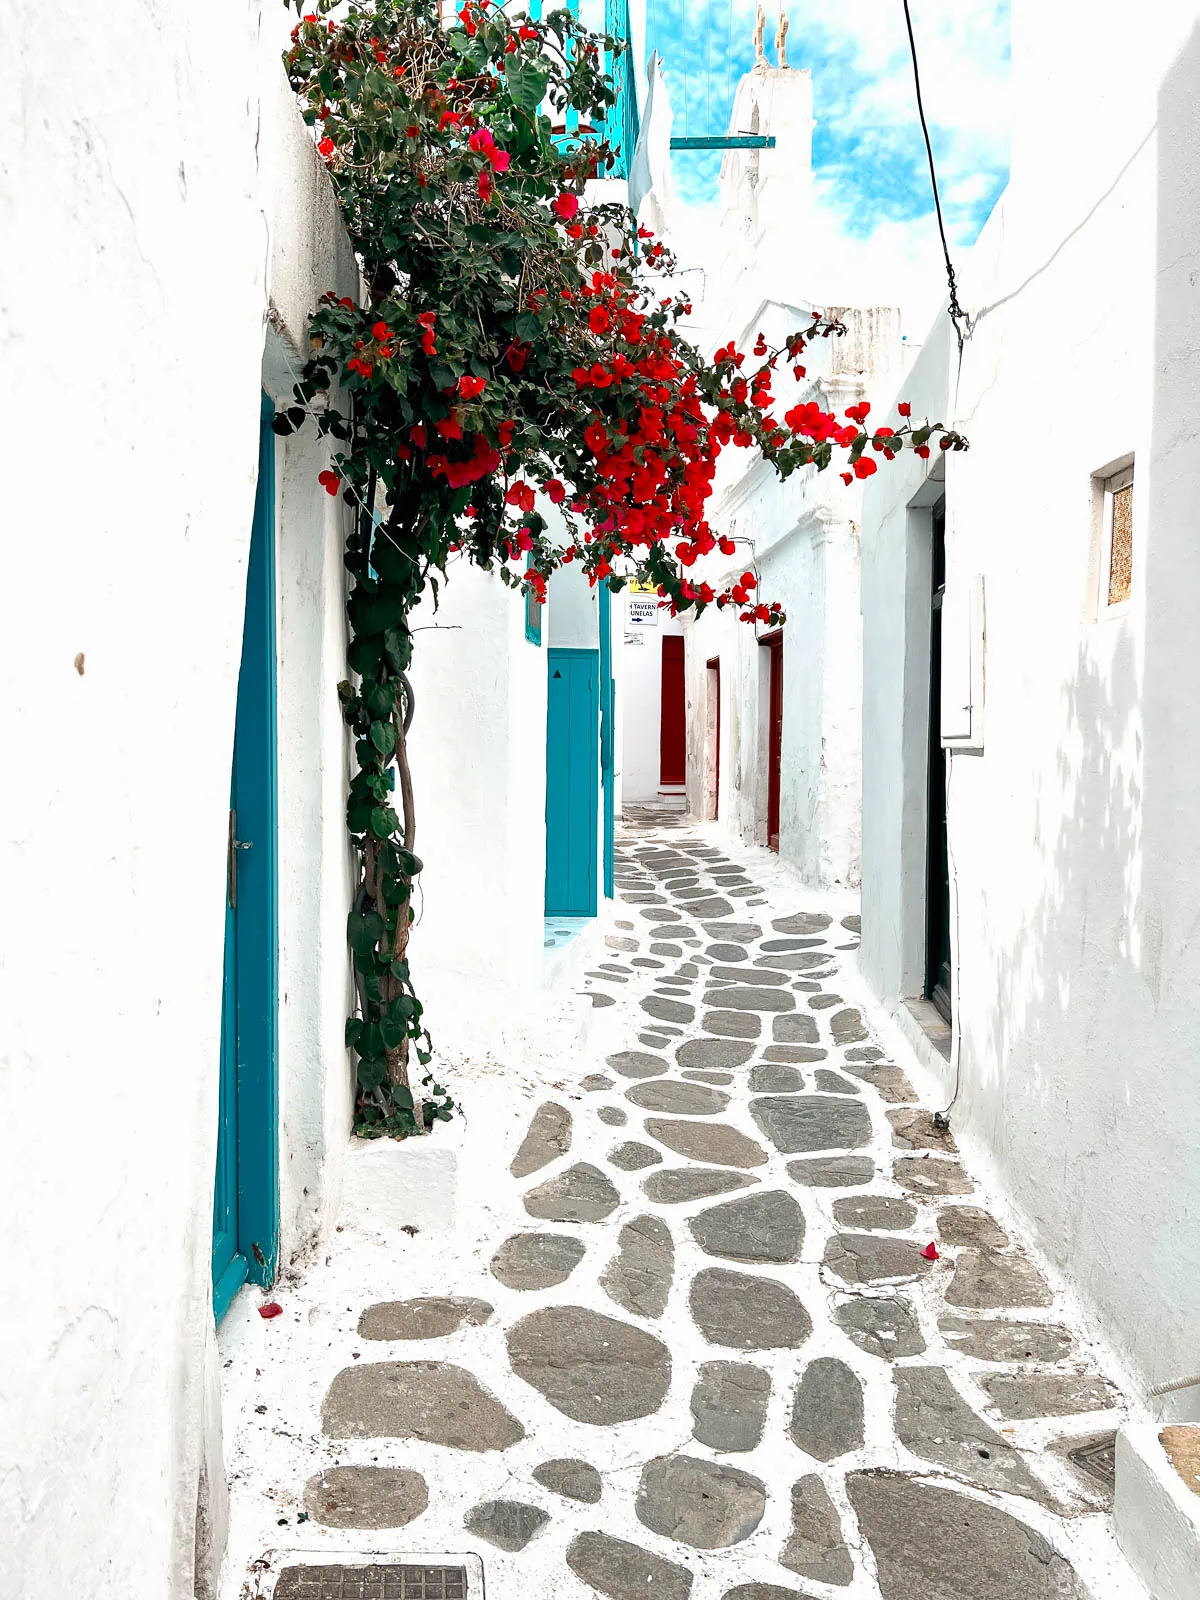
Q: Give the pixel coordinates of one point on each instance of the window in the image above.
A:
(1115, 497)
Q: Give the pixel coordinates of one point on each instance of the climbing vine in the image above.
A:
(522, 397)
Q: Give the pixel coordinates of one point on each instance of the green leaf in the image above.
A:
(383, 737)
(384, 822)
(364, 929)
(371, 1074)
(526, 80)
(354, 1028)
(402, 1097)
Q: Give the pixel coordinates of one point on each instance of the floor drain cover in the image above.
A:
(372, 1583)
(1098, 1459)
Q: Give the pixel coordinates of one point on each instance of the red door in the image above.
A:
(672, 738)
(774, 646)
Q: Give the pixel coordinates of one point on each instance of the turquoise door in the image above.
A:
(572, 774)
(246, 1201)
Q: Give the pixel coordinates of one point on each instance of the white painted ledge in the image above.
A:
(1156, 1517)
(391, 1184)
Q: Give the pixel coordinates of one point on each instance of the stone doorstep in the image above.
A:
(264, 1574)
(1156, 1515)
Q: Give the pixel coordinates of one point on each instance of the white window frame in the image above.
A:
(1113, 478)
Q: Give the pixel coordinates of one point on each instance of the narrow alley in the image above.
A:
(722, 1314)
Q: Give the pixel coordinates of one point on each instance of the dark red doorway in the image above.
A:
(774, 646)
(672, 738)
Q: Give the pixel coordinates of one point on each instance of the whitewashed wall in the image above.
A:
(641, 689)
(1073, 835)
(155, 189)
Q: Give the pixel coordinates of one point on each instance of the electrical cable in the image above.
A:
(954, 309)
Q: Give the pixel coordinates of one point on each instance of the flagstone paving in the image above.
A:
(716, 1359)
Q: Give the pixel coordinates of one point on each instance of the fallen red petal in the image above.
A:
(271, 1309)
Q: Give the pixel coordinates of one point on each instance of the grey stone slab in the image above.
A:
(915, 1129)
(365, 1497)
(734, 932)
(988, 1340)
(747, 1313)
(667, 1010)
(773, 1078)
(833, 1083)
(549, 1137)
(886, 1328)
(665, 949)
(815, 1548)
(744, 997)
(795, 1053)
(650, 963)
(832, 1172)
(888, 1081)
(825, 1002)
(765, 1226)
(537, 1260)
(659, 914)
(700, 1076)
(508, 1524)
(936, 1544)
(761, 1591)
(847, 1026)
(722, 1054)
(714, 1142)
(639, 1276)
(709, 908)
(742, 975)
(797, 1123)
(827, 1410)
(932, 1175)
(580, 1194)
(731, 1024)
(678, 1185)
(682, 1099)
(622, 1571)
(431, 1318)
(637, 1064)
(727, 952)
(705, 1504)
(798, 1028)
(617, 941)
(866, 1054)
(729, 1404)
(428, 1400)
(598, 999)
(590, 1367)
(873, 1257)
(612, 1116)
(968, 1225)
(989, 1280)
(632, 1156)
(874, 1211)
(791, 961)
(595, 1082)
(572, 1478)
(853, 924)
(776, 947)
(937, 1424)
(1021, 1395)
(654, 1039)
(802, 922)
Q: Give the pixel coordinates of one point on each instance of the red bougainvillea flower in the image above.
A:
(556, 492)
(381, 331)
(904, 409)
(517, 355)
(565, 205)
(847, 477)
(271, 1309)
(329, 481)
(727, 546)
(521, 496)
(931, 1252)
(325, 147)
(484, 184)
(526, 32)
(469, 386)
(864, 467)
(921, 450)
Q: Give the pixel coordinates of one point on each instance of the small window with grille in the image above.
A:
(1116, 541)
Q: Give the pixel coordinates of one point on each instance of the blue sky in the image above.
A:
(868, 155)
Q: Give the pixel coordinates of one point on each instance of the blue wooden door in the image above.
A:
(572, 774)
(245, 1201)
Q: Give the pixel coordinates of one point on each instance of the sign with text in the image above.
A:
(642, 613)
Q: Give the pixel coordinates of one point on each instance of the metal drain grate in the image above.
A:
(1098, 1459)
(371, 1583)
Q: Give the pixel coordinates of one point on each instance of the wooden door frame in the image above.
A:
(773, 643)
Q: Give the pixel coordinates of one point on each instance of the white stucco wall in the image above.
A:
(1073, 838)
(155, 190)
(641, 686)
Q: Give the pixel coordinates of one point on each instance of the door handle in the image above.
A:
(234, 845)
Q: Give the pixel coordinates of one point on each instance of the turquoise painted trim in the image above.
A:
(724, 141)
(246, 1203)
(533, 618)
(572, 771)
(622, 121)
(608, 696)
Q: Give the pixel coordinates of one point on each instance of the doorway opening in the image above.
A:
(672, 736)
(712, 741)
(246, 1192)
(773, 644)
(937, 858)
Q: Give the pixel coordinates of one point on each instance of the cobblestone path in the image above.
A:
(698, 1343)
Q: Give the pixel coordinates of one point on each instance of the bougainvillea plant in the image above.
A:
(522, 397)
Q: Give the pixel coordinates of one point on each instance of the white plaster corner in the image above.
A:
(1156, 1516)
(394, 1184)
